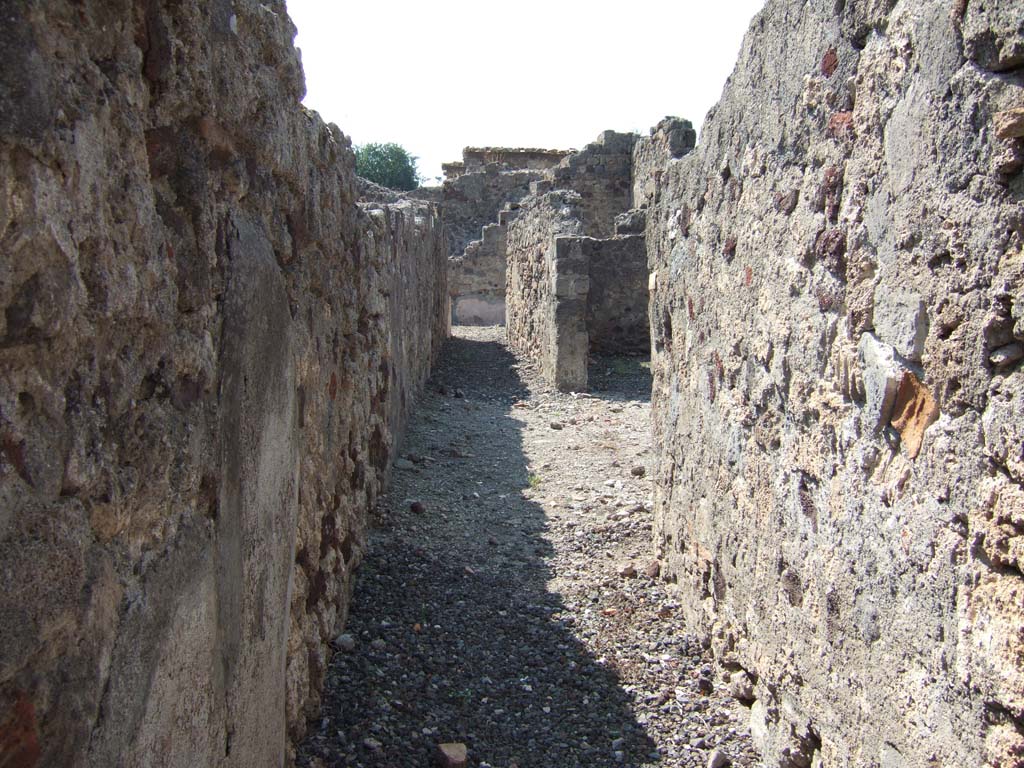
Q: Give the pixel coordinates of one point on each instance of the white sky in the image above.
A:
(438, 76)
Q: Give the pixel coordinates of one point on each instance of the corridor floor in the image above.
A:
(509, 599)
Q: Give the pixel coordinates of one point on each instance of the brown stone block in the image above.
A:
(215, 136)
(1009, 124)
(829, 62)
(785, 202)
(841, 125)
(19, 737)
(914, 412)
(13, 451)
(108, 520)
(830, 250)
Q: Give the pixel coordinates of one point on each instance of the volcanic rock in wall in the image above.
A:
(838, 283)
(206, 348)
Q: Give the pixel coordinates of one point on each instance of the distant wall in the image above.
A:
(472, 205)
(472, 201)
(602, 175)
(474, 159)
(368, 191)
(477, 280)
(488, 180)
(207, 352)
(570, 296)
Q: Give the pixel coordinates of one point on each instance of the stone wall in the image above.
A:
(617, 296)
(396, 336)
(368, 191)
(473, 200)
(492, 178)
(570, 296)
(670, 140)
(837, 318)
(601, 173)
(206, 353)
(476, 280)
(546, 288)
(475, 159)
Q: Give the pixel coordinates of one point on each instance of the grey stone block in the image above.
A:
(881, 374)
(901, 320)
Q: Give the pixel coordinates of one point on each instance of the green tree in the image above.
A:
(388, 165)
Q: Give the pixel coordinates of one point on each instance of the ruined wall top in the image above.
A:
(474, 159)
(370, 192)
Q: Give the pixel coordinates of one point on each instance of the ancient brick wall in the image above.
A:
(207, 353)
(837, 320)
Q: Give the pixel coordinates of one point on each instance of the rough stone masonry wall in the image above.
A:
(489, 179)
(839, 399)
(471, 203)
(546, 288)
(476, 280)
(206, 353)
(473, 200)
(568, 296)
(669, 140)
(602, 174)
(617, 294)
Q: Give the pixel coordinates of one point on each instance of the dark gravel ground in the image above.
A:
(509, 598)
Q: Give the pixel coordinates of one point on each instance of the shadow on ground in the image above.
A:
(457, 638)
(620, 377)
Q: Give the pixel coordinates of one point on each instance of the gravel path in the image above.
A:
(509, 599)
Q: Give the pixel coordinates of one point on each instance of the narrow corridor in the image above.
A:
(510, 598)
